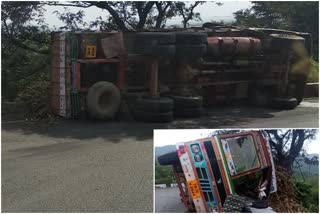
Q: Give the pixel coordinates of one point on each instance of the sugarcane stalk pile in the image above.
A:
(37, 95)
(286, 199)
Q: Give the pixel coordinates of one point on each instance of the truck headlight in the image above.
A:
(198, 157)
(195, 148)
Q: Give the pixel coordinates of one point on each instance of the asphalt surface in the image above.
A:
(82, 166)
(167, 200)
(306, 115)
(76, 166)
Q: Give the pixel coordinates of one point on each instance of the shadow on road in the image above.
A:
(117, 130)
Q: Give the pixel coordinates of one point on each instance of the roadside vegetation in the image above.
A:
(314, 72)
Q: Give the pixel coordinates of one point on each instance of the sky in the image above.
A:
(162, 137)
(209, 12)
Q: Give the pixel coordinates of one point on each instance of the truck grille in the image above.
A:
(205, 184)
(216, 171)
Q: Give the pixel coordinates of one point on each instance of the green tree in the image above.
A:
(24, 46)
(287, 144)
(187, 12)
(131, 15)
(164, 174)
(311, 162)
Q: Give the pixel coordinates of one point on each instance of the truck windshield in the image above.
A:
(241, 154)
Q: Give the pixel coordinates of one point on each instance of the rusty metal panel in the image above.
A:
(112, 45)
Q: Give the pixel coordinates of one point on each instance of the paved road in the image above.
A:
(306, 115)
(168, 201)
(76, 166)
(81, 166)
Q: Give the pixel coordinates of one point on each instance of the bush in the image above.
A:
(309, 196)
(164, 175)
(314, 72)
(36, 92)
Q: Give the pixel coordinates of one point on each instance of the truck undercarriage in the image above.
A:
(174, 73)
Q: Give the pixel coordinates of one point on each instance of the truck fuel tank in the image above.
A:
(222, 46)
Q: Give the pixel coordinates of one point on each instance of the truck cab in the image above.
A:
(224, 173)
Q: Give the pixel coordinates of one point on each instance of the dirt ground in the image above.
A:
(83, 166)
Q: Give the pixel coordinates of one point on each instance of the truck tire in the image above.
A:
(155, 38)
(103, 100)
(169, 158)
(234, 204)
(158, 117)
(299, 89)
(156, 50)
(182, 102)
(190, 51)
(188, 112)
(284, 103)
(162, 104)
(191, 38)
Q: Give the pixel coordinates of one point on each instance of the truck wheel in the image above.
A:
(182, 102)
(169, 158)
(156, 50)
(154, 38)
(158, 117)
(155, 105)
(188, 112)
(299, 89)
(191, 38)
(103, 100)
(190, 51)
(284, 103)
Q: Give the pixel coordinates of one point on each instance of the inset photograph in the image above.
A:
(208, 170)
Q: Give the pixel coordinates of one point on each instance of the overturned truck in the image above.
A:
(225, 173)
(156, 76)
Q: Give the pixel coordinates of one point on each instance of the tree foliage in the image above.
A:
(287, 145)
(311, 162)
(163, 174)
(24, 46)
(131, 15)
(22, 25)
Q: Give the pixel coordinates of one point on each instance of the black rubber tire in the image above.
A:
(300, 86)
(181, 102)
(191, 38)
(103, 100)
(158, 117)
(162, 104)
(188, 113)
(284, 103)
(234, 204)
(156, 50)
(154, 38)
(169, 158)
(190, 51)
